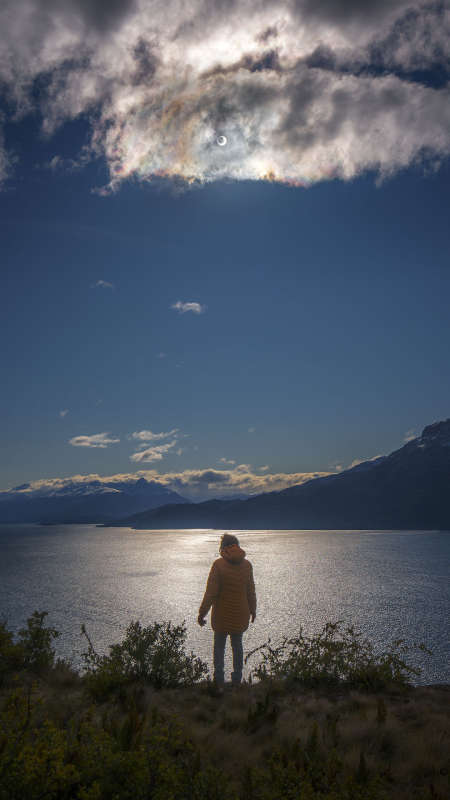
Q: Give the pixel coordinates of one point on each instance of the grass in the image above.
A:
(276, 738)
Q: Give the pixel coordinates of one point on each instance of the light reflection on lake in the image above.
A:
(389, 584)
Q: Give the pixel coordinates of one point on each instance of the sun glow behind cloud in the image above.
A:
(290, 91)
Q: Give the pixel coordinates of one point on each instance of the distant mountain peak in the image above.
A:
(437, 430)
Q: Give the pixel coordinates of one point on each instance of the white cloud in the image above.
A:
(264, 468)
(149, 436)
(195, 484)
(296, 92)
(63, 413)
(95, 440)
(196, 308)
(54, 163)
(357, 461)
(410, 435)
(155, 453)
(161, 355)
(251, 430)
(102, 285)
(229, 461)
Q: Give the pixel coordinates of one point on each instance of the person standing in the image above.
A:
(230, 591)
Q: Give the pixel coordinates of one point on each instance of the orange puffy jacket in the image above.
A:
(230, 591)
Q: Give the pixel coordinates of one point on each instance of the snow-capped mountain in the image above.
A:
(82, 500)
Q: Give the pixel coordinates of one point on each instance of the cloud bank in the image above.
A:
(195, 484)
(295, 91)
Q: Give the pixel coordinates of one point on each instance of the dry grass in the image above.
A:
(404, 736)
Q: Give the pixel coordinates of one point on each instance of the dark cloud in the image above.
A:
(101, 15)
(345, 11)
(146, 63)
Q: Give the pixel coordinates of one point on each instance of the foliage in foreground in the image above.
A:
(337, 655)
(154, 655)
(266, 742)
(32, 649)
(140, 754)
(120, 758)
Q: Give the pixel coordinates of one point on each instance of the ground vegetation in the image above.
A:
(319, 717)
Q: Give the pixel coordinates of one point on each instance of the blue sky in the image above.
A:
(322, 336)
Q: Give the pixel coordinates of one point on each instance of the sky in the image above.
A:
(224, 238)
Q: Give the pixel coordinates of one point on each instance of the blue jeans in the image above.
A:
(220, 640)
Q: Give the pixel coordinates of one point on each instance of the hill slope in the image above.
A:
(410, 488)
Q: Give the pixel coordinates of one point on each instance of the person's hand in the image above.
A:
(252, 617)
(201, 621)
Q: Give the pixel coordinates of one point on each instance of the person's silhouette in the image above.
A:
(230, 591)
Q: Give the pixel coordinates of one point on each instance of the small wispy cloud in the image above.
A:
(63, 413)
(150, 436)
(101, 440)
(228, 461)
(161, 355)
(410, 435)
(101, 284)
(182, 307)
(155, 453)
(54, 163)
(251, 429)
(357, 461)
(264, 468)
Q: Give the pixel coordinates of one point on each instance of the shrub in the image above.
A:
(36, 643)
(11, 655)
(154, 655)
(337, 655)
(31, 651)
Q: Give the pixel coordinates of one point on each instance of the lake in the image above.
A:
(388, 584)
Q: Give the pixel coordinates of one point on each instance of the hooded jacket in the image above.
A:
(230, 590)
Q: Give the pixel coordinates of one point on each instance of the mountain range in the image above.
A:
(408, 489)
(87, 501)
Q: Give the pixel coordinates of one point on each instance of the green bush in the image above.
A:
(11, 655)
(337, 655)
(36, 643)
(31, 651)
(154, 655)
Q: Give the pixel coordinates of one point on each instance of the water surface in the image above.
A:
(389, 584)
